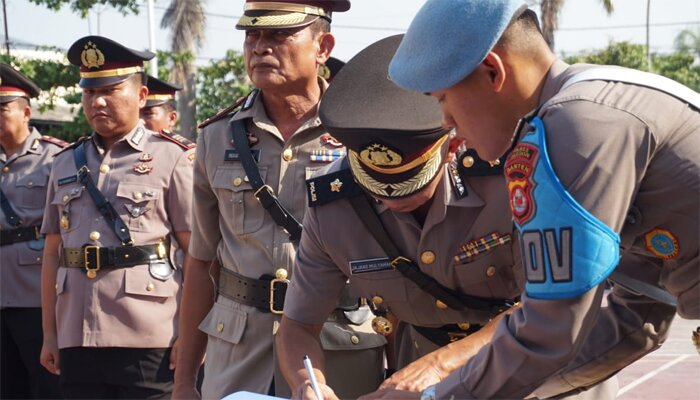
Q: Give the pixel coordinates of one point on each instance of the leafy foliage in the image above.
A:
(678, 66)
(220, 84)
(83, 6)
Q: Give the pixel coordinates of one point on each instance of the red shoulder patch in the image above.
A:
(53, 140)
(221, 114)
(519, 170)
(178, 139)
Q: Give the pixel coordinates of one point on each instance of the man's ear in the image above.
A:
(27, 113)
(326, 43)
(143, 93)
(495, 69)
(172, 119)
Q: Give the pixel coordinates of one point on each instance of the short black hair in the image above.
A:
(321, 25)
(523, 32)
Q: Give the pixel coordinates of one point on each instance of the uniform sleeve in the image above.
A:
(206, 233)
(317, 282)
(600, 155)
(50, 223)
(630, 327)
(180, 194)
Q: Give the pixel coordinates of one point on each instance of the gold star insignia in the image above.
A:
(336, 185)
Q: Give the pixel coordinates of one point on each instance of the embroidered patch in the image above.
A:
(519, 172)
(370, 265)
(662, 243)
(67, 180)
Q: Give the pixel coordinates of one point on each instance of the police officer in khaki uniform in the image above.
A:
(606, 163)
(160, 112)
(116, 200)
(249, 199)
(448, 222)
(25, 164)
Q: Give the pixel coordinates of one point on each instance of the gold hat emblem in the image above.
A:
(380, 155)
(91, 56)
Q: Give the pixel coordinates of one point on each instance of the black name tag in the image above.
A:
(233, 155)
(370, 265)
(67, 180)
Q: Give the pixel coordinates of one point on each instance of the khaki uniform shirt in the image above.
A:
(629, 155)
(336, 244)
(230, 225)
(121, 307)
(24, 179)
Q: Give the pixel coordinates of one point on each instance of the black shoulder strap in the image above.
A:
(263, 192)
(453, 299)
(103, 205)
(10, 214)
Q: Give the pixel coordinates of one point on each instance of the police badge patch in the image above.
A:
(519, 172)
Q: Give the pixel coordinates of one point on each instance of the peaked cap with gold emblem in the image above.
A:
(394, 137)
(260, 14)
(104, 62)
(14, 85)
(160, 92)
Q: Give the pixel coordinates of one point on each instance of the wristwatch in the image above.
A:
(428, 393)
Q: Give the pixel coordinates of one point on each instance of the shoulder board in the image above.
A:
(178, 139)
(330, 187)
(469, 164)
(74, 144)
(53, 140)
(248, 99)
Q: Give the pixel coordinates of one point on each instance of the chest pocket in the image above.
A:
(497, 273)
(33, 189)
(385, 285)
(238, 204)
(68, 202)
(136, 202)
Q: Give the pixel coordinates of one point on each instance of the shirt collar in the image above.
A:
(28, 146)
(136, 138)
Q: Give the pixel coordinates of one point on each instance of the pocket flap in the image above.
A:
(138, 192)
(340, 336)
(234, 178)
(39, 179)
(140, 282)
(28, 256)
(225, 323)
(64, 195)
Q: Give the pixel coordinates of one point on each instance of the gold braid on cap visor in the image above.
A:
(288, 7)
(400, 189)
(14, 94)
(111, 72)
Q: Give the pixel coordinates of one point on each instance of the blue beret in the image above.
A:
(447, 40)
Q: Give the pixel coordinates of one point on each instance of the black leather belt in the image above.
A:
(447, 334)
(266, 294)
(93, 257)
(22, 234)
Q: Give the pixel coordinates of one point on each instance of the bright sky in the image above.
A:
(583, 24)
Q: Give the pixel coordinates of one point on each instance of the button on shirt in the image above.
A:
(121, 307)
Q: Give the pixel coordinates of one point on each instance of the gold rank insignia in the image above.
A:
(143, 168)
(91, 56)
(382, 326)
(65, 222)
(380, 155)
(146, 157)
(336, 185)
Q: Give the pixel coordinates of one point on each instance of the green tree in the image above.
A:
(688, 41)
(220, 84)
(186, 21)
(678, 66)
(82, 7)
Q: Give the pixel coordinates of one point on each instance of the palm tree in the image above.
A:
(549, 14)
(186, 21)
(688, 41)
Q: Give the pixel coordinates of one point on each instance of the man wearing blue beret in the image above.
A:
(603, 166)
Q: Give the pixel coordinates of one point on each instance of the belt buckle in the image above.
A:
(91, 272)
(272, 294)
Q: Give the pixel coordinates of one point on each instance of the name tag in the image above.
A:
(67, 180)
(370, 265)
(233, 155)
